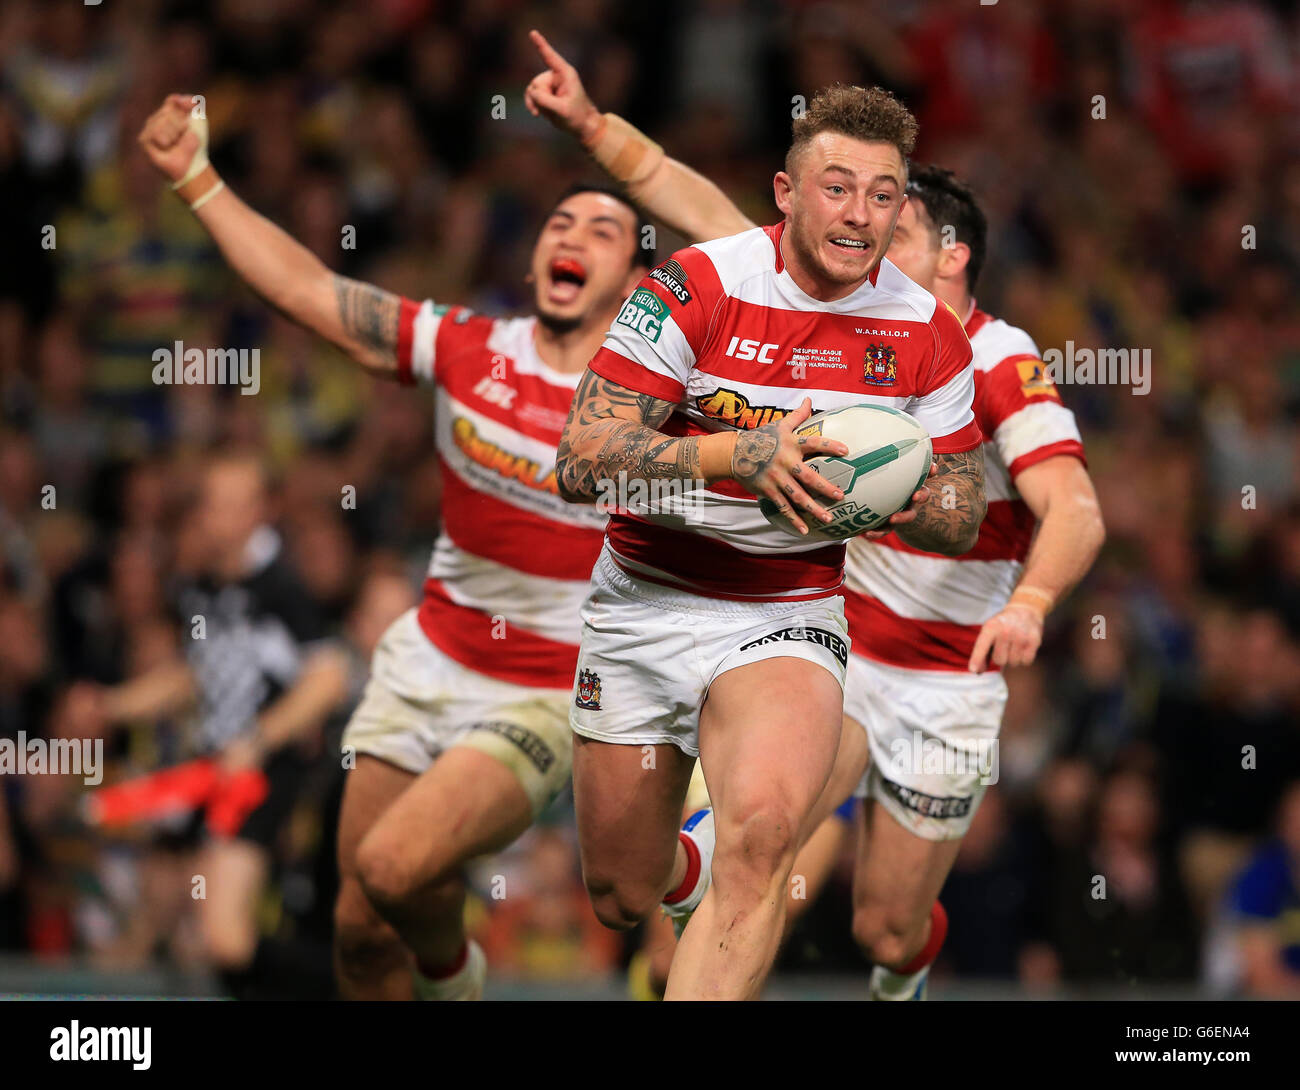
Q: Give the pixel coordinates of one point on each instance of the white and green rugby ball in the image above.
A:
(889, 459)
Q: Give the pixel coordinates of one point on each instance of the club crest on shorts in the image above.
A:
(588, 690)
(880, 365)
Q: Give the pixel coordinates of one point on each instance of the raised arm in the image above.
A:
(360, 318)
(670, 191)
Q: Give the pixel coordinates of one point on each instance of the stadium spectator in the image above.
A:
(1266, 900)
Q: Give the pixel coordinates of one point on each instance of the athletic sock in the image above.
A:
(461, 979)
(436, 973)
(901, 983)
(689, 887)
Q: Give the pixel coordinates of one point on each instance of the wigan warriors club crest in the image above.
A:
(588, 690)
(880, 366)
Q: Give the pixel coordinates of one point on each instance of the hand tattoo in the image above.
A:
(754, 452)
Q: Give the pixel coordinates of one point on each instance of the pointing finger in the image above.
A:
(549, 55)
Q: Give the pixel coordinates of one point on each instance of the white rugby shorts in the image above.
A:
(419, 702)
(934, 741)
(649, 653)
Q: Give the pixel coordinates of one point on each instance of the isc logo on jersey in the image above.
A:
(644, 312)
(752, 350)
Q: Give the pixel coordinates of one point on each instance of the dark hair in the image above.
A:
(864, 113)
(645, 232)
(949, 202)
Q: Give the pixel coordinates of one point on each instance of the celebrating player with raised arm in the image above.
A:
(461, 737)
(707, 631)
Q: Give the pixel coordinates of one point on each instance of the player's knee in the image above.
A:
(385, 880)
(757, 849)
(392, 881)
(885, 941)
(364, 946)
(620, 905)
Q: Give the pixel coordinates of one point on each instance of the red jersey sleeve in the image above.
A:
(425, 332)
(1021, 410)
(661, 327)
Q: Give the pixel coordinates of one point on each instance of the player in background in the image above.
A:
(707, 631)
(462, 736)
(932, 633)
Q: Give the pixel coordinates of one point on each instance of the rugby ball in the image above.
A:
(889, 459)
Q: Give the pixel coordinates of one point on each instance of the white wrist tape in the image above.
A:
(196, 205)
(199, 126)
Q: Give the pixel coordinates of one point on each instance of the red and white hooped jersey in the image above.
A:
(924, 611)
(513, 562)
(723, 332)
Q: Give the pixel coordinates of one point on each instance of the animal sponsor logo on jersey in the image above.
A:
(829, 640)
(880, 365)
(1036, 380)
(733, 408)
(529, 743)
(504, 463)
(588, 694)
(933, 806)
(673, 277)
(644, 312)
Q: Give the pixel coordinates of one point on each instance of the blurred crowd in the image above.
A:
(1139, 163)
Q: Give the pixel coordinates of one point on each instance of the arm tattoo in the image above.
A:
(949, 521)
(611, 430)
(368, 315)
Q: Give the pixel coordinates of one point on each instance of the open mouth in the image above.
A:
(850, 245)
(567, 278)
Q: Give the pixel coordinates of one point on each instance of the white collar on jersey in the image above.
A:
(846, 305)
